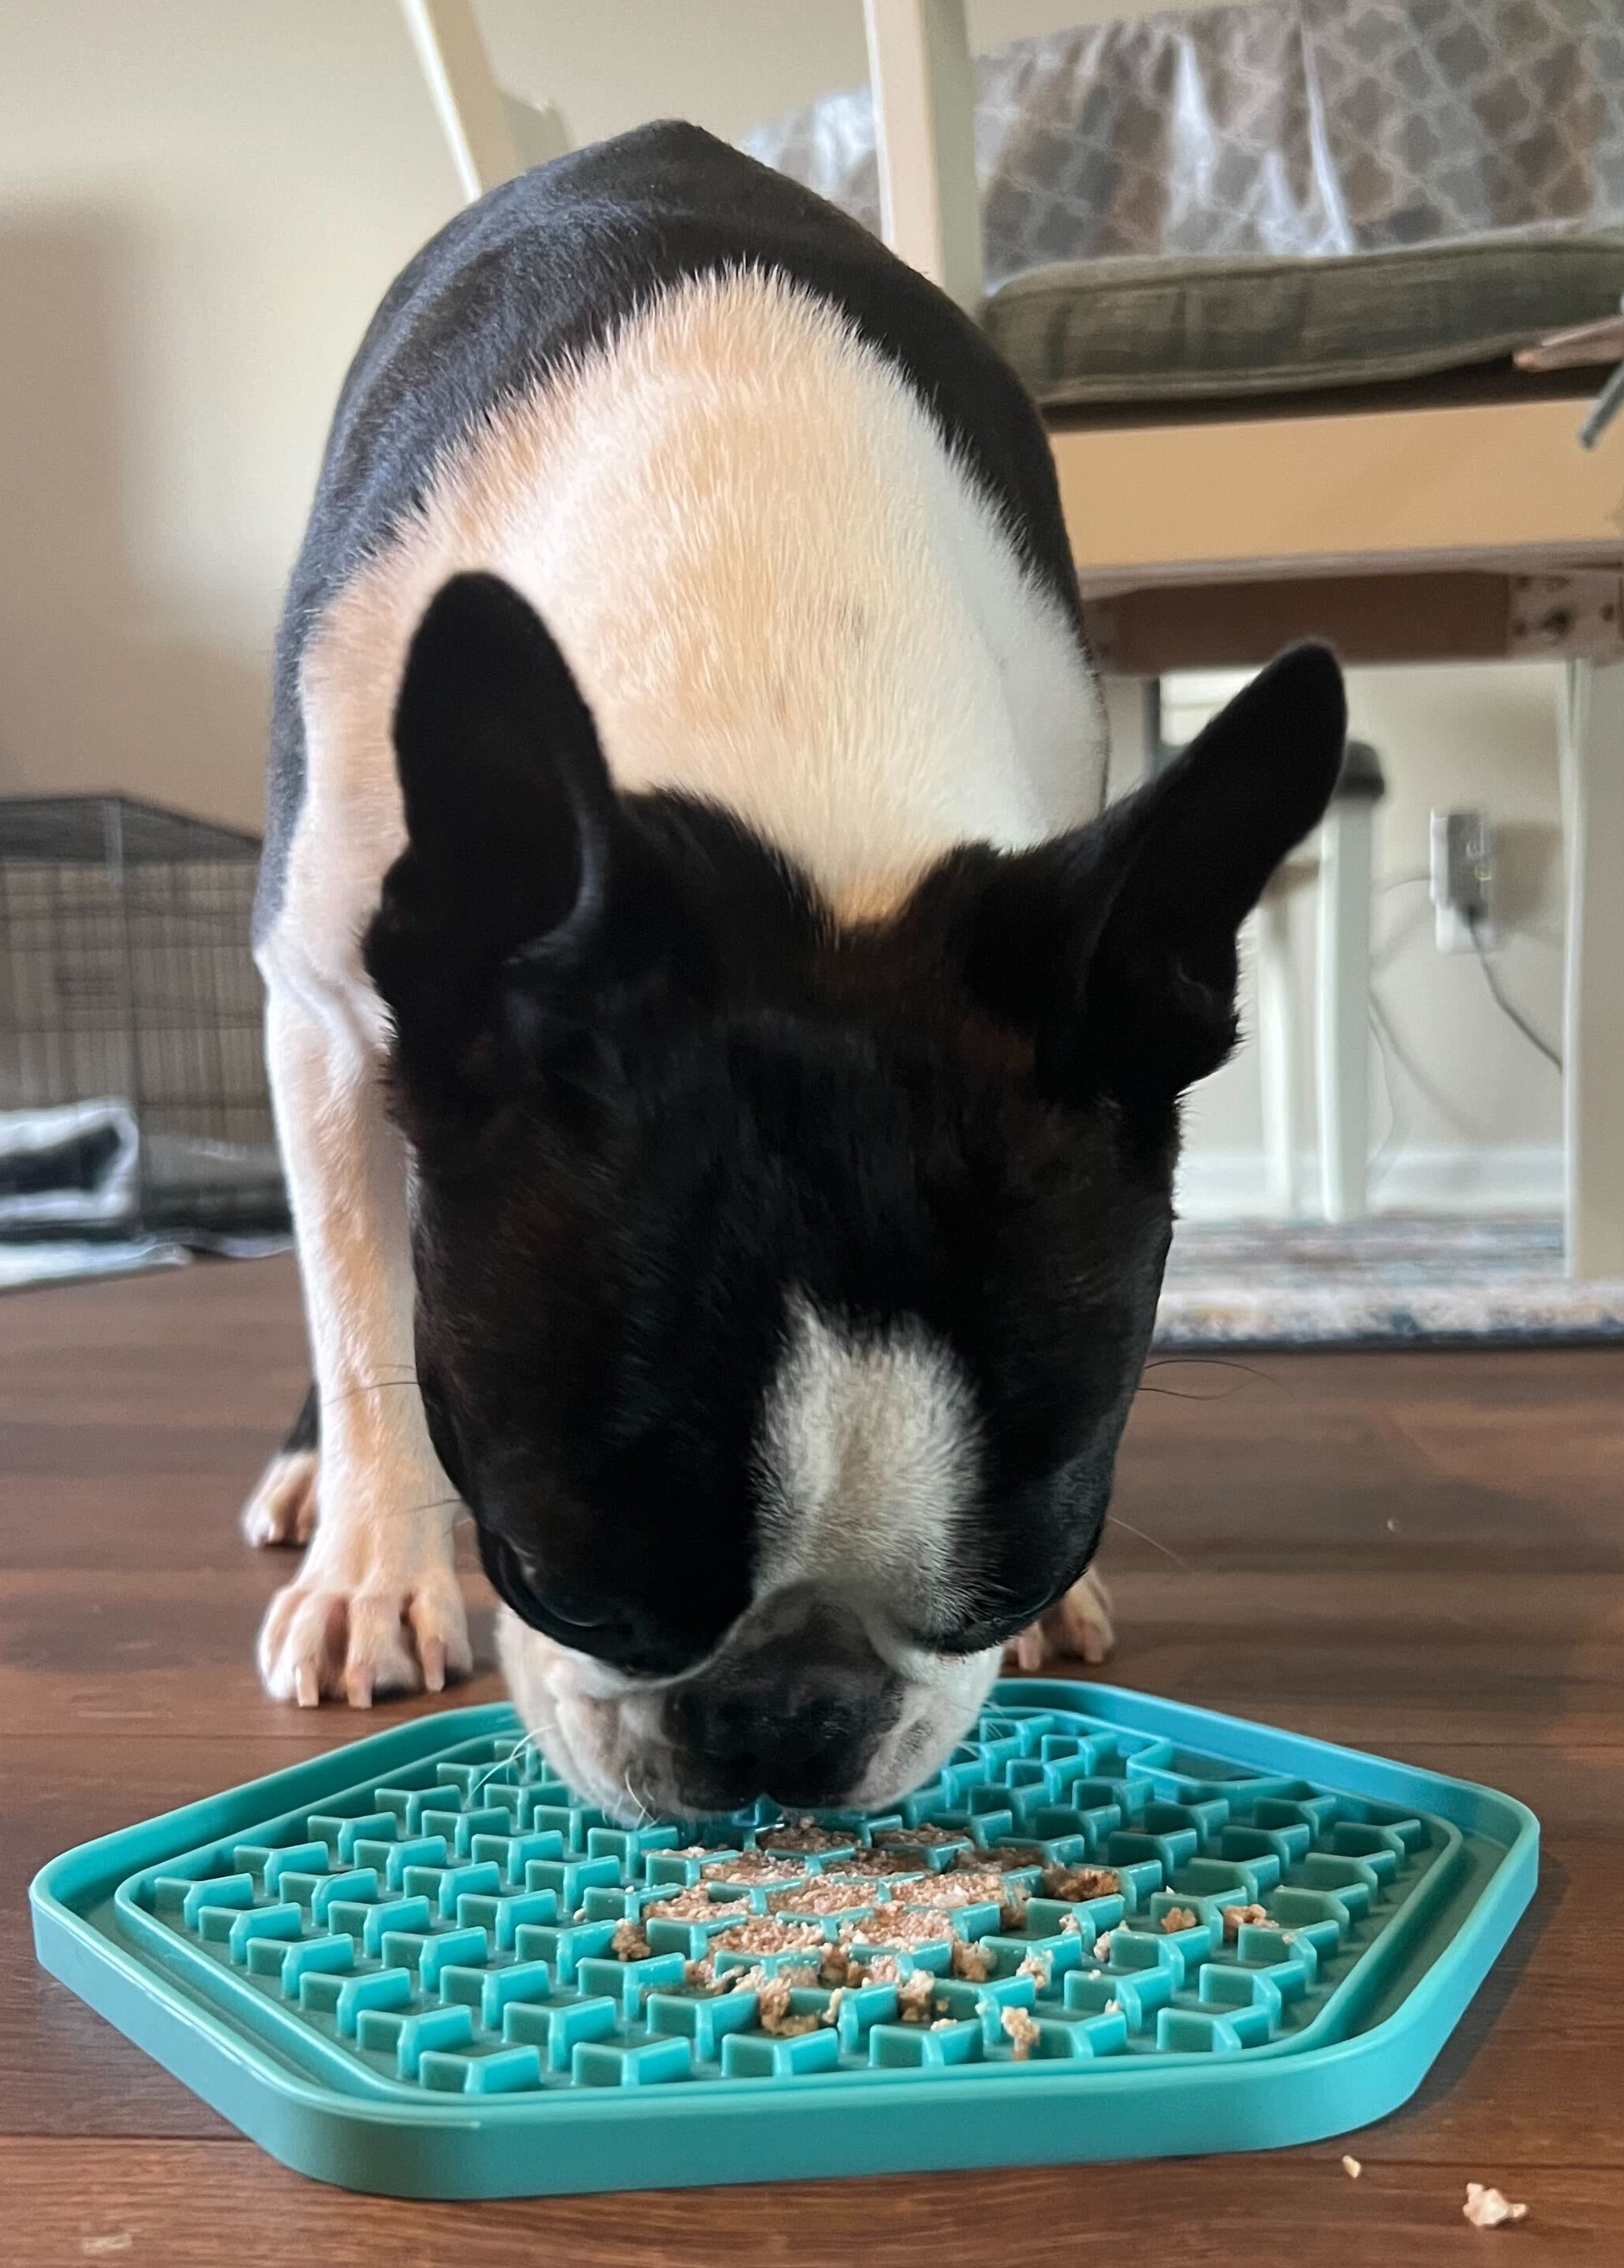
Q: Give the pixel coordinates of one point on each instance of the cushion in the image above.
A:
(1113, 331)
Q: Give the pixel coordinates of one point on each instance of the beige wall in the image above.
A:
(201, 201)
(1454, 738)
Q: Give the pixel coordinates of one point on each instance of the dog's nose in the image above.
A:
(744, 1743)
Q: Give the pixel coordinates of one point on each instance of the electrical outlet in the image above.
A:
(1463, 880)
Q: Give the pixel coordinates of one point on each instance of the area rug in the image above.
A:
(1408, 1279)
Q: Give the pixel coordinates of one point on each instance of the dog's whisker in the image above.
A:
(372, 1386)
(503, 1763)
(1214, 1362)
(1115, 1520)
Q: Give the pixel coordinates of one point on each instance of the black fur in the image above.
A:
(304, 1433)
(550, 263)
(652, 1091)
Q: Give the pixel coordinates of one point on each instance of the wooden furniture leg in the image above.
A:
(925, 121)
(1342, 1006)
(1592, 770)
(1278, 1042)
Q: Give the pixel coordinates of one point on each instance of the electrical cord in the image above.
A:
(1535, 1039)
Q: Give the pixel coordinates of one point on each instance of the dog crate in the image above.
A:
(133, 1096)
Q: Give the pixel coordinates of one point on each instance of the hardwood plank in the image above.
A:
(1371, 1658)
(187, 2204)
(1417, 1553)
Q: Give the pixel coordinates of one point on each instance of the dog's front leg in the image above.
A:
(376, 1606)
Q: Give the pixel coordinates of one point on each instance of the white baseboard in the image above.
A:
(1227, 1184)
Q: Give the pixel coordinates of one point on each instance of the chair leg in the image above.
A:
(1343, 980)
(467, 102)
(924, 119)
(1279, 1048)
(1592, 770)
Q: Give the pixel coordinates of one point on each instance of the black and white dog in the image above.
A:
(727, 1070)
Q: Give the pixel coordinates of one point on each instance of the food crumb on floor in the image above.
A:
(1489, 2208)
(1352, 2168)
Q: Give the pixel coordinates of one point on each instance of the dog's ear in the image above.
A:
(1114, 947)
(513, 826)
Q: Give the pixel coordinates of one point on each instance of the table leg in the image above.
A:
(1592, 771)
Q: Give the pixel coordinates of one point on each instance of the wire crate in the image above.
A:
(132, 1069)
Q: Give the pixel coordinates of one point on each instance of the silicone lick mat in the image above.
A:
(1113, 1926)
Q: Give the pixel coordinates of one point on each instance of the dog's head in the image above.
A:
(783, 1286)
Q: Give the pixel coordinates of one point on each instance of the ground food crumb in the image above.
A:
(1178, 1917)
(752, 1866)
(1112, 2008)
(1352, 2168)
(1102, 1947)
(1070, 1922)
(1007, 1854)
(1038, 1965)
(1238, 1918)
(973, 1963)
(772, 2012)
(695, 1903)
(701, 1976)
(802, 1835)
(773, 1992)
(1075, 1882)
(837, 1967)
(984, 1887)
(921, 1838)
(692, 1850)
(877, 1862)
(1022, 2028)
(943, 2024)
(628, 1943)
(831, 2013)
(766, 1933)
(824, 1896)
(1487, 2208)
(913, 1996)
(887, 1969)
(899, 1927)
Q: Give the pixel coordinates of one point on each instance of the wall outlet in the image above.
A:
(1463, 881)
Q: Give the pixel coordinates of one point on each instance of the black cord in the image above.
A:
(1534, 1039)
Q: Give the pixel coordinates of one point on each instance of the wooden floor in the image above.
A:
(1417, 1553)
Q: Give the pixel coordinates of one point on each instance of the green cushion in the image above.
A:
(1096, 331)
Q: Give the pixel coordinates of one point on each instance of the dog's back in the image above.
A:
(739, 456)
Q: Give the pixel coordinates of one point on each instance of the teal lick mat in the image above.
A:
(1112, 1927)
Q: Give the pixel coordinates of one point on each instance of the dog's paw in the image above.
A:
(349, 1637)
(282, 1506)
(1077, 1627)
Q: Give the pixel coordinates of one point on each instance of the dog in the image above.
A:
(726, 1063)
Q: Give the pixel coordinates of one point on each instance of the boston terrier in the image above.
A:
(727, 1064)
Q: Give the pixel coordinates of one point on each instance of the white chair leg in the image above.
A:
(467, 102)
(1342, 985)
(924, 122)
(1592, 770)
(1278, 1046)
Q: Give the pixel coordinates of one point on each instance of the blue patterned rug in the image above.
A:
(1428, 1279)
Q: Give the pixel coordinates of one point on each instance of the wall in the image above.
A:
(1464, 1110)
(199, 207)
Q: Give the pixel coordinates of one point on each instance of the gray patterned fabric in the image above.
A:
(1291, 127)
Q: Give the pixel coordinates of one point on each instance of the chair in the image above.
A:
(1445, 517)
